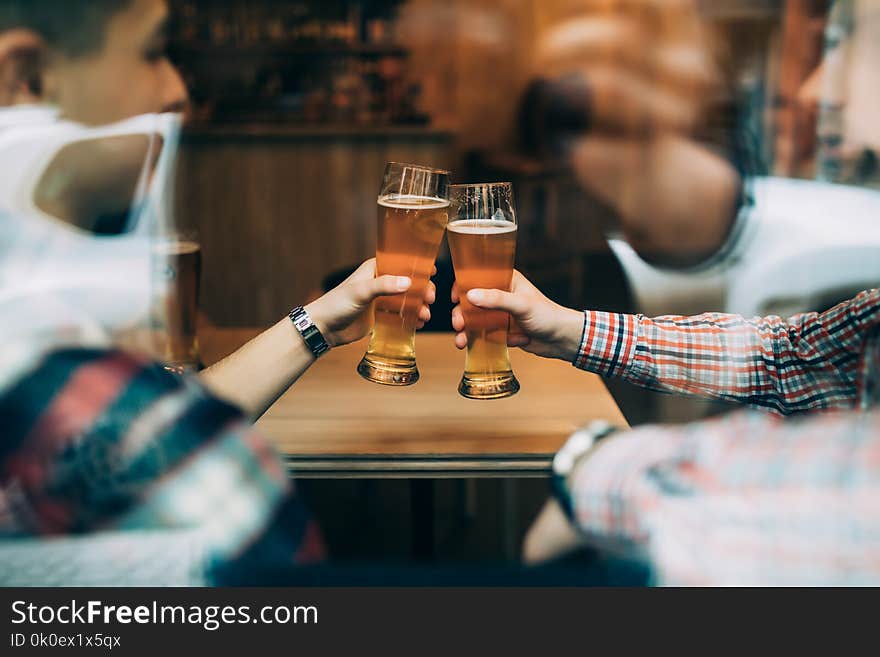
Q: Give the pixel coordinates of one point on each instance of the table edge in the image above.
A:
(409, 466)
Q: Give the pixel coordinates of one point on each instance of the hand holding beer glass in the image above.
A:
(482, 240)
(413, 211)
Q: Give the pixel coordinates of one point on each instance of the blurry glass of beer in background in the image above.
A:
(413, 211)
(482, 240)
(177, 268)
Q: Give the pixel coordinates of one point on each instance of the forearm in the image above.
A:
(802, 364)
(680, 228)
(256, 375)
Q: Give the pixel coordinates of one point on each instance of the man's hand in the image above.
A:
(343, 314)
(551, 536)
(648, 63)
(649, 68)
(541, 326)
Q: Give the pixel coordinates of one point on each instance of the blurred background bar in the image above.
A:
(292, 99)
(332, 63)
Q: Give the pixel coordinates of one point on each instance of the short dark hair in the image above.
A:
(73, 27)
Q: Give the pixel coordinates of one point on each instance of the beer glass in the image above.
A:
(482, 240)
(177, 267)
(413, 211)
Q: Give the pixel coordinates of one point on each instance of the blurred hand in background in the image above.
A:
(628, 87)
(648, 74)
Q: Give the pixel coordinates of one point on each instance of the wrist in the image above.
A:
(569, 334)
(576, 450)
(318, 317)
(311, 329)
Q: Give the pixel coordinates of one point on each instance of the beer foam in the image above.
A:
(481, 226)
(412, 202)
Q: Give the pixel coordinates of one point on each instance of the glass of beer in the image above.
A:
(177, 272)
(413, 211)
(482, 240)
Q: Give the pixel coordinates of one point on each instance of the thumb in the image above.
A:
(499, 300)
(381, 286)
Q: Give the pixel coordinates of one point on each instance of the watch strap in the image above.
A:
(561, 492)
(576, 447)
(310, 333)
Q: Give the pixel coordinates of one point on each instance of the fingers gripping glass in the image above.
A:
(482, 239)
(413, 211)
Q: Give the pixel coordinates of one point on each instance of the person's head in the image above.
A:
(847, 83)
(20, 63)
(105, 60)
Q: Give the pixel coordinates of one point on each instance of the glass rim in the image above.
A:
(478, 185)
(420, 167)
(454, 224)
(467, 194)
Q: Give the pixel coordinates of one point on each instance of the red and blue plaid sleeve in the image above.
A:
(809, 362)
(96, 439)
(746, 499)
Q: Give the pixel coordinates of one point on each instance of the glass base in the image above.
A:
(388, 374)
(182, 368)
(488, 387)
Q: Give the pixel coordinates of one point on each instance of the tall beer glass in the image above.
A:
(413, 211)
(482, 240)
(177, 266)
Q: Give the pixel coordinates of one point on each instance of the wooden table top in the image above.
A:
(333, 423)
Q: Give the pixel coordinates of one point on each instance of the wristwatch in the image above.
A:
(575, 448)
(309, 332)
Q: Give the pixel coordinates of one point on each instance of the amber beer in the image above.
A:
(410, 231)
(483, 255)
(179, 264)
(482, 240)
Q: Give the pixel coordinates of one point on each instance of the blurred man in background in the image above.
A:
(619, 91)
(95, 438)
(841, 96)
(20, 57)
(20, 94)
(748, 498)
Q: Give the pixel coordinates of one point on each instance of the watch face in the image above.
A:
(309, 332)
(562, 463)
(571, 451)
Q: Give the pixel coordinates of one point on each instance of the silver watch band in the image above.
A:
(575, 448)
(310, 333)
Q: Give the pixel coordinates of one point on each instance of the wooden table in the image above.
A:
(333, 424)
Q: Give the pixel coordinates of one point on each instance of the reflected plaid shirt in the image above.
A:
(100, 440)
(750, 498)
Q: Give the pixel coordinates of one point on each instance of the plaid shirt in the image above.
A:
(749, 498)
(96, 440)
